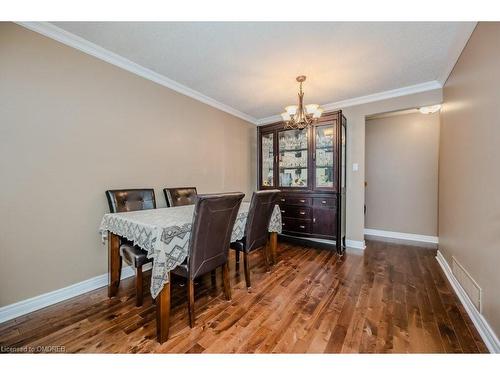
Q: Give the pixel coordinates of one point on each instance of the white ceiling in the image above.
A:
(251, 66)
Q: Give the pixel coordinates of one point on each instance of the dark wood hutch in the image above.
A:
(309, 167)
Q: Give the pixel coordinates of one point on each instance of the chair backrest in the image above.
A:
(259, 215)
(213, 222)
(180, 196)
(130, 200)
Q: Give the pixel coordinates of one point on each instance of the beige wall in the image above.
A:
(356, 116)
(401, 164)
(469, 178)
(72, 126)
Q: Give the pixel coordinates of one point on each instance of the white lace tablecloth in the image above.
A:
(164, 233)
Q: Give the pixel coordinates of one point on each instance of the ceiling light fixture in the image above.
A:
(430, 109)
(300, 116)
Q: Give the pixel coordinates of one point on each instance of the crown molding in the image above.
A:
(408, 90)
(393, 113)
(51, 31)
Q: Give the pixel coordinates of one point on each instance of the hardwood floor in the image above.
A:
(391, 299)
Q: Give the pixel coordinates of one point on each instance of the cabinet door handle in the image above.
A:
(324, 202)
(283, 224)
(314, 219)
(283, 211)
(282, 199)
(302, 201)
(302, 213)
(302, 227)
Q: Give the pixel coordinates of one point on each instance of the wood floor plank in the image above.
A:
(281, 291)
(309, 295)
(345, 316)
(430, 332)
(326, 322)
(390, 299)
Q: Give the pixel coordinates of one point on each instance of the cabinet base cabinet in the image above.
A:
(308, 166)
(309, 214)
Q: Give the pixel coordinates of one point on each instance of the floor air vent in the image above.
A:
(468, 284)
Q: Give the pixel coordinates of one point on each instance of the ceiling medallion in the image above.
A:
(300, 116)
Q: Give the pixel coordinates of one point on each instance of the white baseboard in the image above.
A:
(484, 329)
(402, 236)
(355, 244)
(43, 300)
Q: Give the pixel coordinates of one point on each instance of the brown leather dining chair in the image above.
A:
(213, 222)
(132, 200)
(256, 229)
(180, 196)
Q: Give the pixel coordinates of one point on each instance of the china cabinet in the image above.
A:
(309, 167)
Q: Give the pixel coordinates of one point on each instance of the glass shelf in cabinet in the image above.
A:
(292, 149)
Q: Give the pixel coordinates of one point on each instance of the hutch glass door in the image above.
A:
(292, 146)
(324, 173)
(267, 158)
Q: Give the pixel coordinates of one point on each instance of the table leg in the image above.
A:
(163, 313)
(273, 242)
(114, 264)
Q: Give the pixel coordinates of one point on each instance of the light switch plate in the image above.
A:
(355, 167)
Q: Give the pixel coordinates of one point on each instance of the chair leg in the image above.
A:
(247, 269)
(226, 281)
(273, 245)
(138, 286)
(190, 285)
(120, 270)
(265, 253)
(237, 256)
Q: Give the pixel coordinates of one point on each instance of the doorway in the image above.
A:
(401, 177)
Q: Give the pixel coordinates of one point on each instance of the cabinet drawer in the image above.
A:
(296, 225)
(299, 201)
(324, 202)
(295, 212)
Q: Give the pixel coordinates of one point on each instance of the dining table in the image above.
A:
(164, 233)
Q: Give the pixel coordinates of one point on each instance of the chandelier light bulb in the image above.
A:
(318, 112)
(291, 109)
(311, 108)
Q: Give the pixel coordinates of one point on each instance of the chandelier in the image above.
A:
(300, 116)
